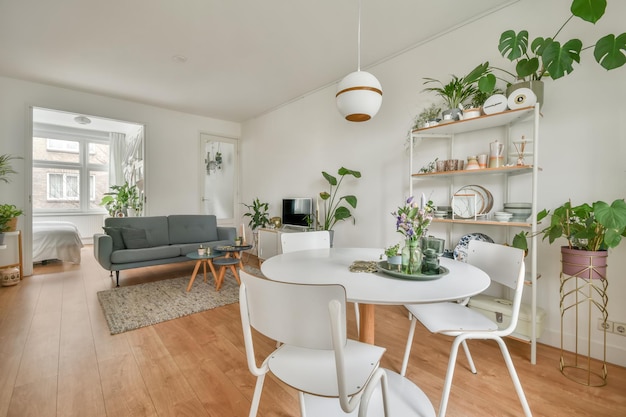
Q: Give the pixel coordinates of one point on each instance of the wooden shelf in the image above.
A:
(509, 170)
(482, 222)
(477, 123)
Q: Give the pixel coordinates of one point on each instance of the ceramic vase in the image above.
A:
(584, 264)
(472, 163)
(411, 257)
(395, 262)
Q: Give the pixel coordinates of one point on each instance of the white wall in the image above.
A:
(583, 141)
(172, 143)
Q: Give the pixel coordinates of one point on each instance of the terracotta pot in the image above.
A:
(584, 264)
(12, 225)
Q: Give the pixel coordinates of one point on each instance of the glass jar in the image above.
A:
(412, 257)
(430, 265)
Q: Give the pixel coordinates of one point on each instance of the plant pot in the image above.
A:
(584, 264)
(12, 225)
(395, 262)
(471, 113)
(9, 276)
(535, 86)
(455, 114)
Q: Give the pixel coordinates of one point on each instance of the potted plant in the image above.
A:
(427, 117)
(589, 229)
(8, 212)
(259, 217)
(123, 200)
(394, 257)
(458, 92)
(8, 217)
(333, 210)
(547, 57)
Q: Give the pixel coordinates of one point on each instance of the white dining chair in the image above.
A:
(504, 265)
(315, 357)
(294, 241)
(320, 239)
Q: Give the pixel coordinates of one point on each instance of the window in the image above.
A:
(66, 170)
(63, 187)
(56, 145)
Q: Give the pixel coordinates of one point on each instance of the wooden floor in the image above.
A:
(57, 358)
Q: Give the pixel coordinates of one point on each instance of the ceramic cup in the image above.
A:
(482, 160)
(201, 251)
(441, 165)
(452, 164)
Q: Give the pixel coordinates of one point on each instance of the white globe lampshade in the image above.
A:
(359, 96)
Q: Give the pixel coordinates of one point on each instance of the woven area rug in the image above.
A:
(135, 306)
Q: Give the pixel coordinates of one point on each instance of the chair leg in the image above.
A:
(469, 357)
(256, 397)
(516, 382)
(409, 344)
(445, 394)
(367, 393)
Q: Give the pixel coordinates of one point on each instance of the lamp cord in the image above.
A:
(359, 40)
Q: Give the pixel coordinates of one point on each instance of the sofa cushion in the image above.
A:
(192, 228)
(116, 235)
(134, 238)
(155, 227)
(145, 254)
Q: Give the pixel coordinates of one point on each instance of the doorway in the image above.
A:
(74, 159)
(219, 167)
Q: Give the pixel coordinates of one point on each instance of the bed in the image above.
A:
(56, 240)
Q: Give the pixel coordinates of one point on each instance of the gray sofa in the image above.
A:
(133, 242)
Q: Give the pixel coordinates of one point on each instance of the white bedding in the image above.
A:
(56, 240)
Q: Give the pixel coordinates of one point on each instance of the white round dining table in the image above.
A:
(332, 266)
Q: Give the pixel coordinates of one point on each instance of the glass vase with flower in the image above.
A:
(412, 220)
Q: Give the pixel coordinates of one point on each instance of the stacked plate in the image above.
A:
(520, 211)
(472, 200)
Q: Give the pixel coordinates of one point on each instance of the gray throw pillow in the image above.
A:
(134, 238)
(116, 235)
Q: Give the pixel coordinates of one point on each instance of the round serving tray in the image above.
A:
(382, 266)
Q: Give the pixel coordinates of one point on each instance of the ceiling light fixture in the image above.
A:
(359, 94)
(82, 120)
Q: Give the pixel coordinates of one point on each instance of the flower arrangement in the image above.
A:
(413, 219)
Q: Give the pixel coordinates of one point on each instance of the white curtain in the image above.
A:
(117, 154)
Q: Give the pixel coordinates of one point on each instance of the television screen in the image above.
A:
(296, 211)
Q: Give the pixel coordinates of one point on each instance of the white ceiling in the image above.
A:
(244, 57)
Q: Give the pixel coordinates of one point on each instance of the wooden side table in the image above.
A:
(202, 260)
(19, 264)
(224, 263)
(234, 251)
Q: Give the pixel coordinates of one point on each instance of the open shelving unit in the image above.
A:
(448, 134)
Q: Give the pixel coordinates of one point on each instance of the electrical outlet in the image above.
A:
(619, 328)
(605, 325)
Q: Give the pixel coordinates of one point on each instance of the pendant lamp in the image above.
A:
(359, 94)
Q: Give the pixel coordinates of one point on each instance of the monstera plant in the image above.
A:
(549, 57)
